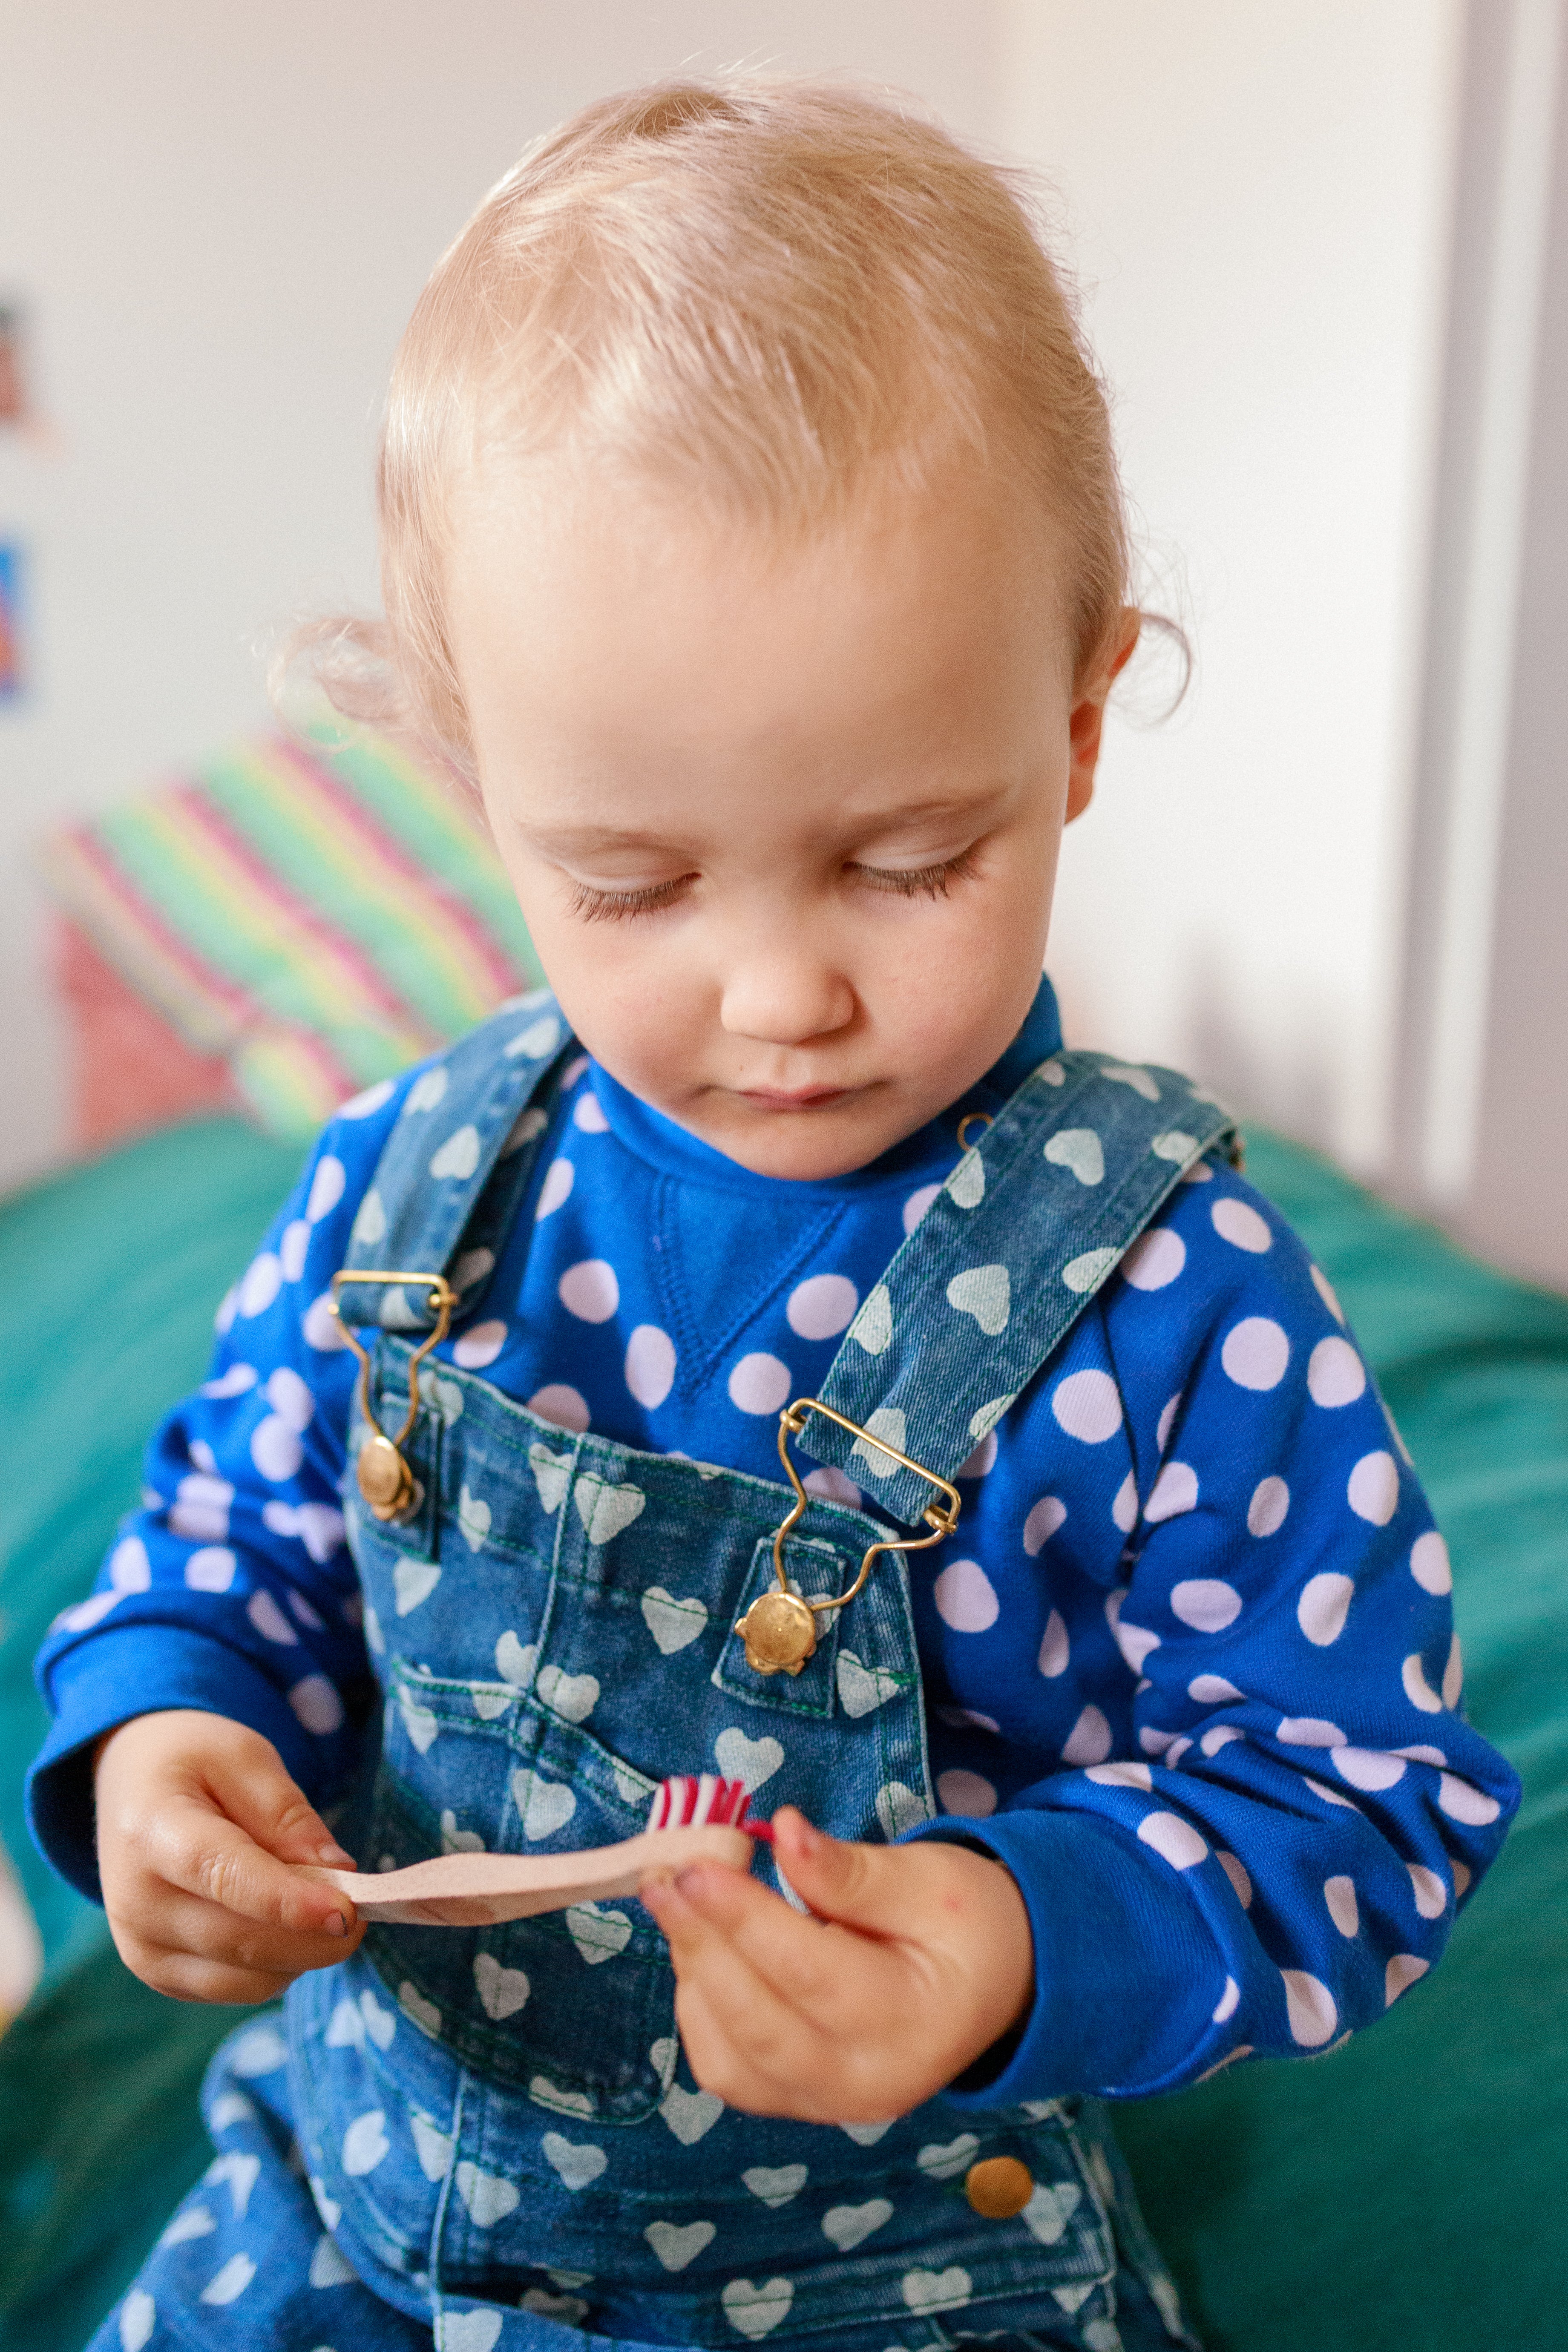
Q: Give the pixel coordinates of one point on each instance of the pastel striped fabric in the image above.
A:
(321, 911)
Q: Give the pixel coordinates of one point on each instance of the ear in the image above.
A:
(1085, 723)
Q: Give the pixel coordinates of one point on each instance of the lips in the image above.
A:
(806, 1099)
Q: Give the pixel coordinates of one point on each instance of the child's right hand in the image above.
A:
(197, 1818)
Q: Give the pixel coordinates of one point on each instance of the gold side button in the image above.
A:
(998, 2187)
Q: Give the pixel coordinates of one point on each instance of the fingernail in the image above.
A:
(332, 1853)
(335, 1924)
(809, 1839)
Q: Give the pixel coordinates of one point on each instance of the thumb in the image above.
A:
(863, 1886)
(254, 1787)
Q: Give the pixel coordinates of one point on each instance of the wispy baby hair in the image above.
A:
(756, 294)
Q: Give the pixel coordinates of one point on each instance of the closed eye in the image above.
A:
(917, 881)
(620, 905)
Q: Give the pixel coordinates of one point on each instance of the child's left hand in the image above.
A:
(918, 1958)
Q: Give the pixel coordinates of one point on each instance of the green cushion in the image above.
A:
(109, 1276)
(1398, 2193)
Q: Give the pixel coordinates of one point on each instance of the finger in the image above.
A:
(700, 1946)
(755, 2028)
(744, 2038)
(184, 1923)
(181, 1976)
(871, 1887)
(708, 1902)
(762, 2056)
(806, 1960)
(198, 1850)
(257, 1793)
(732, 2066)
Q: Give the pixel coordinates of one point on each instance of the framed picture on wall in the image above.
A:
(12, 671)
(13, 374)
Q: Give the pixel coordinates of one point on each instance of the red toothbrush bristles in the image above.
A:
(688, 1798)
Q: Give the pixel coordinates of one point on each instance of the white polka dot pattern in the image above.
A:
(966, 1598)
(1323, 1606)
(821, 1307)
(1044, 1517)
(650, 1365)
(1206, 1602)
(1429, 1563)
(1088, 1406)
(561, 1405)
(1090, 1739)
(479, 1345)
(1256, 1352)
(1240, 1226)
(1266, 1509)
(1173, 1839)
(1374, 1489)
(1154, 1260)
(918, 1204)
(760, 1383)
(1310, 2008)
(556, 1189)
(965, 1793)
(1335, 1374)
(1325, 1291)
(1056, 1649)
(1175, 1491)
(591, 1290)
(1339, 1895)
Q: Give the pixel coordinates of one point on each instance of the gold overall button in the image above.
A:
(998, 2187)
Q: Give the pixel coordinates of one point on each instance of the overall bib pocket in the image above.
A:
(510, 2000)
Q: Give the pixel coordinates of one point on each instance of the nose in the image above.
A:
(782, 990)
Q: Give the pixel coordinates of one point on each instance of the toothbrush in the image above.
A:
(694, 1817)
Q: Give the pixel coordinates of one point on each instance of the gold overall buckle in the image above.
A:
(386, 1480)
(780, 1628)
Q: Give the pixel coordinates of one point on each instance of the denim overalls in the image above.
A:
(499, 2124)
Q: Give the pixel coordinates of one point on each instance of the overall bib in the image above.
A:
(499, 2122)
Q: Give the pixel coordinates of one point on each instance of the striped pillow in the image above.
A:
(317, 912)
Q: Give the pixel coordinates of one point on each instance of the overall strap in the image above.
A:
(1011, 1251)
(455, 1166)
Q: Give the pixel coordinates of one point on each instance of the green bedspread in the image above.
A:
(1406, 2191)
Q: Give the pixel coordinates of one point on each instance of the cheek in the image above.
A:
(626, 1004)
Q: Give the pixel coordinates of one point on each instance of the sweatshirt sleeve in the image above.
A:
(1233, 1779)
(231, 1588)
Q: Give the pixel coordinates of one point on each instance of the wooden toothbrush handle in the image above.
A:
(480, 1890)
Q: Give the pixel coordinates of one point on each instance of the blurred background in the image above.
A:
(1323, 255)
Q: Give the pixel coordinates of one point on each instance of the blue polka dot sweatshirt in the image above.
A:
(1196, 1601)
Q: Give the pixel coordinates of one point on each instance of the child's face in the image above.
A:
(783, 817)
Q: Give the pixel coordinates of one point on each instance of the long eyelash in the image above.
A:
(620, 905)
(919, 881)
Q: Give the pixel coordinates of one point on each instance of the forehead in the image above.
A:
(592, 623)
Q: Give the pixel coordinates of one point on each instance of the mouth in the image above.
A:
(803, 1098)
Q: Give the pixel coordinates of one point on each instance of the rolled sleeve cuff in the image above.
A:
(1127, 1970)
(142, 1670)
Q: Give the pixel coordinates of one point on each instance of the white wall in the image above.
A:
(221, 216)
(1257, 197)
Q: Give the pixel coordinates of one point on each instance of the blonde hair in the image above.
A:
(753, 291)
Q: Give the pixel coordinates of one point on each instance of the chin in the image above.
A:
(801, 1147)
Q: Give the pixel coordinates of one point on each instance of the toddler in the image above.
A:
(753, 546)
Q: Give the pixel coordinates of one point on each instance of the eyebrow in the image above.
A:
(605, 836)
